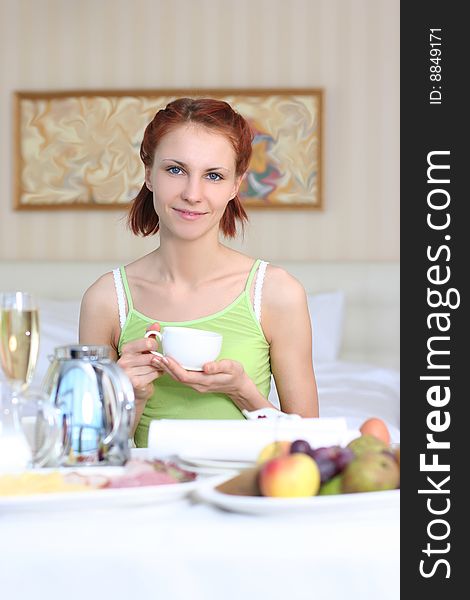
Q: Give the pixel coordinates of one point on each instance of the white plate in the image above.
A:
(234, 465)
(104, 498)
(258, 505)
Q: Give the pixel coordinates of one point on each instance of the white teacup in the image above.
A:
(192, 348)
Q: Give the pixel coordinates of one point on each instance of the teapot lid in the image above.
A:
(82, 351)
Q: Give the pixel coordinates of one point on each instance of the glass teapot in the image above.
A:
(95, 401)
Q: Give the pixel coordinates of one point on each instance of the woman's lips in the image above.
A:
(189, 215)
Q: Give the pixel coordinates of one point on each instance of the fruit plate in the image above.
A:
(259, 505)
(99, 498)
(209, 463)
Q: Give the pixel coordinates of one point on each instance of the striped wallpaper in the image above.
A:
(348, 47)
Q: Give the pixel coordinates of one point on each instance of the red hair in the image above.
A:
(214, 114)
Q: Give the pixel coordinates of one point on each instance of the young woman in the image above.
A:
(195, 154)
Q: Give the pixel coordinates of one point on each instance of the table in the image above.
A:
(193, 551)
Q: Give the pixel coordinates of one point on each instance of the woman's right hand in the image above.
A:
(136, 362)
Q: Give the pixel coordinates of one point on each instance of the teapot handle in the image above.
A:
(124, 394)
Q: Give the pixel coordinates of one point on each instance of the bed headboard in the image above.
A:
(372, 296)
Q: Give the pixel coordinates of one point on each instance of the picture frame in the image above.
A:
(80, 149)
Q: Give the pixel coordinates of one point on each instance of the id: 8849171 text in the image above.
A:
(435, 70)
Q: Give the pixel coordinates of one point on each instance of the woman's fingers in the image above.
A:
(136, 362)
(143, 381)
(173, 368)
(139, 346)
(221, 366)
(217, 376)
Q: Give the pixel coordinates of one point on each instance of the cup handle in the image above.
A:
(159, 336)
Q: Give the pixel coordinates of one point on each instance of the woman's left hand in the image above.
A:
(221, 376)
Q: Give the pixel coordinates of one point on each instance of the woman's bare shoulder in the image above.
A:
(281, 290)
(101, 292)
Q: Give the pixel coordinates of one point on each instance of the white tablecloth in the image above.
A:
(197, 552)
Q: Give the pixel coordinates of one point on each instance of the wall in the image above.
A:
(348, 47)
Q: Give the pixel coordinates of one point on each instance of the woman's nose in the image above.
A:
(193, 190)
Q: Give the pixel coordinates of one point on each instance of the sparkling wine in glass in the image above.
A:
(19, 338)
(19, 348)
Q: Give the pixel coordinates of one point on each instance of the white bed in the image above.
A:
(355, 318)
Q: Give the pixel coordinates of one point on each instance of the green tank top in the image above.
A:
(243, 341)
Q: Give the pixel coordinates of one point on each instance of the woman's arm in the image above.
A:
(286, 323)
(99, 318)
(99, 324)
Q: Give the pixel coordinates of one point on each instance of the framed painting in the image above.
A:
(80, 149)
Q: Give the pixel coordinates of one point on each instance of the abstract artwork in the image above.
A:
(80, 149)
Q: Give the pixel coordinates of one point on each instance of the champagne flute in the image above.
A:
(29, 422)
(19, 348)
(19, 338)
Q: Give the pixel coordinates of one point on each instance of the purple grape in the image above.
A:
(327, 468)
(343, 458)
(334, 451)
(329, 452)
(320, 453)
(301, 446)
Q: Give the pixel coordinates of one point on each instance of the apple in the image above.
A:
(289, 476)
(376, 427)
(273, 450)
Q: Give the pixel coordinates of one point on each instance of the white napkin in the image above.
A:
(268, 413)
(240, 440)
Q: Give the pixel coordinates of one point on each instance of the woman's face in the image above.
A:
(192, 179)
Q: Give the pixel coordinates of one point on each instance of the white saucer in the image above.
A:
(215, 463)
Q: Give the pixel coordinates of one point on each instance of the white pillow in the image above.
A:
(58, 326)
(327, 315)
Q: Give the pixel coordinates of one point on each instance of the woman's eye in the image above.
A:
(174, 170)
(214, 176)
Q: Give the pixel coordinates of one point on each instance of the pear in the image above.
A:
(367, 443)
(396, 452)
(371, 472)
